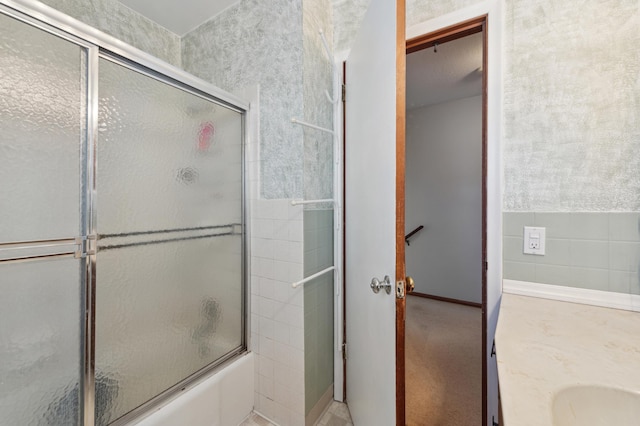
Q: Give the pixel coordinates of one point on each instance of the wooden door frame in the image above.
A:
(443, 35)
(401, 105)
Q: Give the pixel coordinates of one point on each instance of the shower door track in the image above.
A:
(99, 45)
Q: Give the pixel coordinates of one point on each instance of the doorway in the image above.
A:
(446, 226)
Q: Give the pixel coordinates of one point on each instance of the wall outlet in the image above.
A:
(534, 240)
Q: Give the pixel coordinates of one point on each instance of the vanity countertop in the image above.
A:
(544, 346)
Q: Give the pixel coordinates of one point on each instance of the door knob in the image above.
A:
(376, 284)
(410, 285)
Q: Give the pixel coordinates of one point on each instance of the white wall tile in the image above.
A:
(266, 327)
(265, 366)
(262, 228)
(267, 287)
(266, 347)
(296, 233)
(281, 333)
(281, 271)
(281, 291)
(281, 229)
(296, 337)
(266, 386)
(262, 247)
(276, 305)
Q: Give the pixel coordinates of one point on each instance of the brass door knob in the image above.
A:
(410, 285)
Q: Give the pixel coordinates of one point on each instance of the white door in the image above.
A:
(370, 209)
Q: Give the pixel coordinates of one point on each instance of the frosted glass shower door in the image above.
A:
(169, 286)
(43, 99)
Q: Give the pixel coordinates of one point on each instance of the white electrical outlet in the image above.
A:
(534, 240)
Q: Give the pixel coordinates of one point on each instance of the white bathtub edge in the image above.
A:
(225, 398)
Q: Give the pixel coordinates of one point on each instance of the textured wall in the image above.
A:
(572, 106)
(347, 17)
(317, 78)
(257, 42)
(117, 20)
(422, 10)
(349, 13)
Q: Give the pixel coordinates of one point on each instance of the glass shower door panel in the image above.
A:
(40, 334)
(164, 312)
(167, 158)
(169, 289)
(42, 121)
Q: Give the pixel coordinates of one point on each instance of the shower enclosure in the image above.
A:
(121, 227)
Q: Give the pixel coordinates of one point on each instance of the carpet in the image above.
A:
(443, 363)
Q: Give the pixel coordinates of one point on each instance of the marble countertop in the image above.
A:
(544, 346)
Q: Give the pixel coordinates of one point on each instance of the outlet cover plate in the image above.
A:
(534, 240)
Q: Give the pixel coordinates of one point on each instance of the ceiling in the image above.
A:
(454, 72)
(179, 16)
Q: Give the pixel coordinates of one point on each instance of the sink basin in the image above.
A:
(596, 406)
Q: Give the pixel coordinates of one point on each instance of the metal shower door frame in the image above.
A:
(100, 45)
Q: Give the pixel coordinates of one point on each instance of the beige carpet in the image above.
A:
(443, 363)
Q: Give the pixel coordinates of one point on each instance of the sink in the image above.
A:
(596, 406)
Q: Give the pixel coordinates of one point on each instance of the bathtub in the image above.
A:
(224, 399)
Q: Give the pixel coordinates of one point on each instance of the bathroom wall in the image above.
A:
(317, 80)
(573, 145)
(444, 194)
(318, 223)
(258, 42)
(277, 310)
(349, 13)
(117, 20)
(571, 149)
(318, 312)
(278, 47)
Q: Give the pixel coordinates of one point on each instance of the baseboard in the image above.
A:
(445, 299)
(605, 299)
(320, 407)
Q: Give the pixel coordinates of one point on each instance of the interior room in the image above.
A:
(444, 255)
(177, 212)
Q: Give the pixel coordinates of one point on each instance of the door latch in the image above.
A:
(400, 289)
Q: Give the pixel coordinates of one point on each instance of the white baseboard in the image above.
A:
(606, 299)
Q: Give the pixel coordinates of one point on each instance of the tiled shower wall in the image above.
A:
(318, 302)
(277, 310)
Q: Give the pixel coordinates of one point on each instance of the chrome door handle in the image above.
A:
(376, 285)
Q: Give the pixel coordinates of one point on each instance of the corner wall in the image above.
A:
(117, 20)
(259, 43)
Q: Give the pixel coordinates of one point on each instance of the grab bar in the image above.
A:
(311, 277)
(411, 234)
